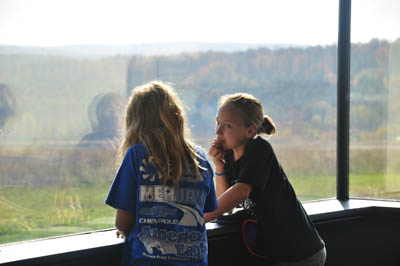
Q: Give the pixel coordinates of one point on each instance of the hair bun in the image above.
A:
(268, 125)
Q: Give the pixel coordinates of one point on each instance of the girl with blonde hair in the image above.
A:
(164, 184)
(248, 172)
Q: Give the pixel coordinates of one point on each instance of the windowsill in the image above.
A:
(14, 252)
(335, 208)
(58, 245)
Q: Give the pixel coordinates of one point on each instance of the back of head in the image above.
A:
(109, 111)
(252, 111)
(106, 110)
(155, 119)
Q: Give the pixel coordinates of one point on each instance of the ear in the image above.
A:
(251, 131)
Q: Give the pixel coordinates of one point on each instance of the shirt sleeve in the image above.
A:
(211, 203)
(122, 194)
(255, 170)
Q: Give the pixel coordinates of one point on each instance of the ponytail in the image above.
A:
(268, 126)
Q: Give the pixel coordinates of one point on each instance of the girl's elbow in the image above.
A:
(245, 190)
(121, 226)
(207, 217)
(124, 228)
(124, 221)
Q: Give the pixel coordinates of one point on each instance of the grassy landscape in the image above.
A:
(32, 213)
(50, 192)
(373, 186)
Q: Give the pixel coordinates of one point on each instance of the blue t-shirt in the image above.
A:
(169, 222)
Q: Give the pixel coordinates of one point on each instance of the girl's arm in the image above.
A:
(229, 199)
(124, 221)
(221, 185)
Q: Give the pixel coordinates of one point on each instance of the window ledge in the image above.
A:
(58, 245)
(335, 208)
(35, 249)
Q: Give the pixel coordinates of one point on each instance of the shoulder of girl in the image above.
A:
(202, 158)
(136, 150)
(261, 140)
(200, 152)
(263, 145)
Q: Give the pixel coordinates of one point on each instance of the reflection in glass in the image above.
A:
(94, 159)
(106, 115)
(56, 165)
(8, 106)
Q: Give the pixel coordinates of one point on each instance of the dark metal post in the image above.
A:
(343, 104)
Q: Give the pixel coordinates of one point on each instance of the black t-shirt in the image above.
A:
(289, 233)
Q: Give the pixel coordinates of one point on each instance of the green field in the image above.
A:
(32, 213)
(372, 186)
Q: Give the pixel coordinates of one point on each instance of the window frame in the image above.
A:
(343, 101)
(318, 210)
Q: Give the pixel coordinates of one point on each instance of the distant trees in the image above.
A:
(297, 86)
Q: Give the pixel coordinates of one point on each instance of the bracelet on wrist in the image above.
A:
(219, 174)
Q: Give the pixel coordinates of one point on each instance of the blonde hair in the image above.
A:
(155, 118)
(251, 110)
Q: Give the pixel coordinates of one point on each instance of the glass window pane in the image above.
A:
(374, 110)
(66, 73)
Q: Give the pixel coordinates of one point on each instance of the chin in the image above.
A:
(226, 147)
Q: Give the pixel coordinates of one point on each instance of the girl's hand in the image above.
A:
(120, 234)
(216, 153)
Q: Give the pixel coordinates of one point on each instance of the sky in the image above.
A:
(122, 22)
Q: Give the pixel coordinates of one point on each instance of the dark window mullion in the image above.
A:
(343, 104)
